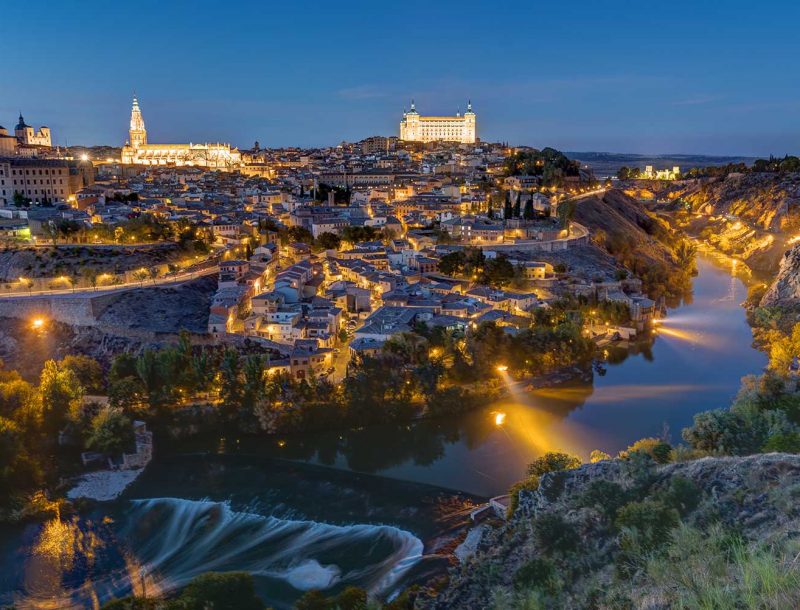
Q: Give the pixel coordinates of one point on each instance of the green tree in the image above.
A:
(566, 211)
(452, 263)
(230, 388)
(111, 432)
(507, 209)
(329, 241)
(88, 371)
(61, 394)
(527, 213)
(20, 200)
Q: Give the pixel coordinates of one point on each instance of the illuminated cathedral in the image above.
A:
(138, 152)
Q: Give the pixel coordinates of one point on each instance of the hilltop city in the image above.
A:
(321, 254)
(355, 376)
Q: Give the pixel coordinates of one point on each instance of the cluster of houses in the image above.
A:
(281, 285)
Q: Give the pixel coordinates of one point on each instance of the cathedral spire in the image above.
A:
(137, 132)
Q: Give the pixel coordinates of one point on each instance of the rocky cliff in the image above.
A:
(621, 534)
(750, 216)
(768, 201)
(785, 289)
(640, 241)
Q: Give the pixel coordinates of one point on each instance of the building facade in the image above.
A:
(28, 136)
(43, 180)
(138, 152)
(459, 128)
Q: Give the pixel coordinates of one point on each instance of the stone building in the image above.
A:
(139, 152)
(40, 180)
(28, 136)
(459, 128)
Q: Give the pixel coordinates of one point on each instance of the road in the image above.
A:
(101, 290)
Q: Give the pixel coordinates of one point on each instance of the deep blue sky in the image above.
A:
(701, 76)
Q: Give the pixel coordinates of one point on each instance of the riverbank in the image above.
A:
(103, 485)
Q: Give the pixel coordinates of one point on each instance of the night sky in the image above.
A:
(702, 76)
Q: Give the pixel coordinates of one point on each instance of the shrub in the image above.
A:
(529, 484)
(552, 462)
(598, 456)
(683, 495)
(224, 591)
(554, 534)
(788, 442)
(654, 447)
(646, 525)
(313, 600)
(606, 496)
(639, 467)
(352, 598)
(742, 430)
(538, 573)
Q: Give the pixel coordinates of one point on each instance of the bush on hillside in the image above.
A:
(554, 534)
(552, 462)
(654, 447)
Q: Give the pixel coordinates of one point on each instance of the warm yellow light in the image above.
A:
(37, 323)
(502, 368)
(499, 418)
(84, 157)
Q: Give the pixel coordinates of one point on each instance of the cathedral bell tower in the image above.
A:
(137, 133)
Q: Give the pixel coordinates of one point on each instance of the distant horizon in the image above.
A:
(566, 152)
(153, 137)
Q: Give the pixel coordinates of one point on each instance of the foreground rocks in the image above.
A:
(755, 496)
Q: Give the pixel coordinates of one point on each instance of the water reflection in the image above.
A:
(695, 362)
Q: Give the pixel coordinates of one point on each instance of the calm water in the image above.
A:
(329, 510)
(695, 363)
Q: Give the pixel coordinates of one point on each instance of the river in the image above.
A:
(362, 507)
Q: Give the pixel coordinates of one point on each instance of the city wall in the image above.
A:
(77, 310)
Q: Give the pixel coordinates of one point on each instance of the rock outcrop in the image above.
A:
(751, 495)
(785, 289)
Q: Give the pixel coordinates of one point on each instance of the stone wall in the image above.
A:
(76, 310)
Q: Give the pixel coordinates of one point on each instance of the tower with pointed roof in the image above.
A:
(137, 133)
(138, 151)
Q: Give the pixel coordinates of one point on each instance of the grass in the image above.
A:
(715, 570)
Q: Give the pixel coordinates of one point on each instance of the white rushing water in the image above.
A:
(174, 540)
(160, 544)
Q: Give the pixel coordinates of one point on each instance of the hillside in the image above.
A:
(750, 216)
(635, 535)
(49, 261)
(641, 242)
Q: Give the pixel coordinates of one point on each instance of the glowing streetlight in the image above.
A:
(502, 368)
(499, 418)
(37, 323)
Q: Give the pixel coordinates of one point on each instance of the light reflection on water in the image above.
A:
(702, 350)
